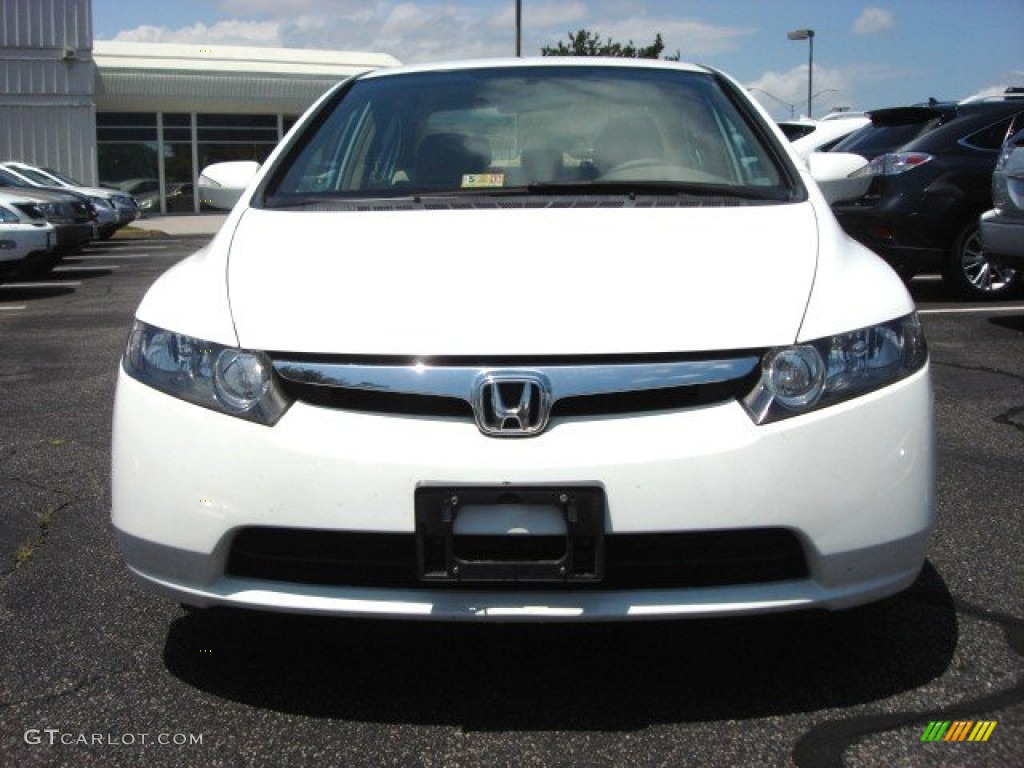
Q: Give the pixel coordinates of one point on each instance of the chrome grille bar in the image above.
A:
(565, 380)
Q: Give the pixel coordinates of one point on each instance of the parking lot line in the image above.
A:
(133, 244)
(971, 310)
(11, 307)
(108, 255)
(86, 268)
(162, 245)
(61, 284)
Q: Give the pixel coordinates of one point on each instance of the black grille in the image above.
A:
(591, 405)
(655, 399)
(83, 211)
(632, 561)
(376, 402)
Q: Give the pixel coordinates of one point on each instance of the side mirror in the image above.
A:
(222, 184)
(841, 176)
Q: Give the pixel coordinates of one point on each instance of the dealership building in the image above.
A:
(147, 117)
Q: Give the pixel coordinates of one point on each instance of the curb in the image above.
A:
(126, 233)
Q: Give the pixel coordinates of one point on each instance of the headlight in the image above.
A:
(225, 379)
(99, 202)
(805, 377)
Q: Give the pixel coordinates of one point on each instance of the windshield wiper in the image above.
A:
(674, 188)
(328, 200)
(631, 189)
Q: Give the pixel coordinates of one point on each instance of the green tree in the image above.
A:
(587, 43)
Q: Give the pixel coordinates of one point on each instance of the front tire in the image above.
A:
(39, 265)
(972, 275)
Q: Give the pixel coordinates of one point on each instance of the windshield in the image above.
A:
(543, 130)
(63, 177)
(9, 179)
(33, 175)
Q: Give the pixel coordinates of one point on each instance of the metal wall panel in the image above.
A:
(126, 91)
(47, 80)
(61, 137)
(30, 79)
(46, 24)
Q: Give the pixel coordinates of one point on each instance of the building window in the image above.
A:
(151, 155)
(127, 151)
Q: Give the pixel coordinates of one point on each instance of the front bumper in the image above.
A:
(70, 237)
(853, 482)
(126, 214)
(21, 241)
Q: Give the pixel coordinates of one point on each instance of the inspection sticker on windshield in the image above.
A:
(482, 180)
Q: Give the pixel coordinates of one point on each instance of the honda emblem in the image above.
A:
(511, 403)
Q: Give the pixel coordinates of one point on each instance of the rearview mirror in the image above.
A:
(222, 184)
(836, 174)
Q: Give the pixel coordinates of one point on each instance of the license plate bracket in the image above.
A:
(444, 556)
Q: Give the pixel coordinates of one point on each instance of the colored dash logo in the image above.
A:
(958, 730)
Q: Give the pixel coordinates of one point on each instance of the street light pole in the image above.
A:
(792, 107)
(519, 28)
(808, 35)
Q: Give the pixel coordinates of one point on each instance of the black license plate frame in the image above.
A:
(440, 559)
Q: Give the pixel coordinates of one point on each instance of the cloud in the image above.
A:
(231, 32)
(693, 39)
(436, 29)
(290, 8)
(784, 94)
(984, 93)
(547, 15)
(873, 20)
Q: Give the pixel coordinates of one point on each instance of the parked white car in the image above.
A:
(220, 183)
(554, 339)
(24, 232)
(820, 135)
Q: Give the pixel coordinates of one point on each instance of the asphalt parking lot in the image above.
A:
(96, 671)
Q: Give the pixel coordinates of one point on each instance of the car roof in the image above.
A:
(947, 110)
(918, 113)
(583, 62)
(939, 124)
(965, 120)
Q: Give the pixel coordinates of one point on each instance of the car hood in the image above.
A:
(39, 194)
(520, 281)
(106, 194)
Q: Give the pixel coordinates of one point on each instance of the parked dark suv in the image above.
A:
(932, 167)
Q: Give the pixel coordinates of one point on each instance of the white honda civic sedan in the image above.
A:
(559, 339)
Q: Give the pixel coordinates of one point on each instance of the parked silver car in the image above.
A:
(114, 208)
(25, 234)
(70, 212)
(1002, 228)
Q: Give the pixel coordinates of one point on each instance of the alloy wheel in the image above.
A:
(979, 276)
